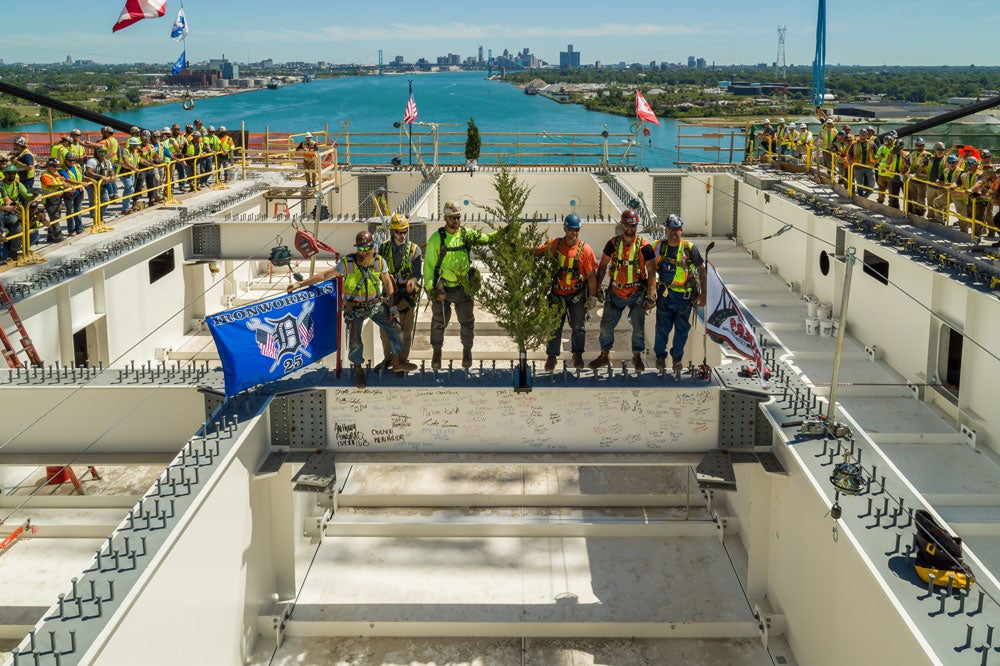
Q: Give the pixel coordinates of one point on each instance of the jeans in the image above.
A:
(380, 317)
(441, 315)
(128, 187)
(74, 202)
(673, 312)
(12, 225)
(614, 306)
(577, 315)
(407, 319)
(864, 181)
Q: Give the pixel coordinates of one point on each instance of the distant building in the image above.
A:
(691, 61)
(701, 63)
(569, 59)
(68, 61)
(196, 78)
(230, 71)
(480, 55)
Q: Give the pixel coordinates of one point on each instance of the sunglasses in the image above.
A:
(399, 232)
(364, 248)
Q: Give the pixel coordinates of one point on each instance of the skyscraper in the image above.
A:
(569, 59)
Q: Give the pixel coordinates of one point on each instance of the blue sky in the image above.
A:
(723, 31)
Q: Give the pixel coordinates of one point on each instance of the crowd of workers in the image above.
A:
(384, 283)
(113, 174)
(939, 183)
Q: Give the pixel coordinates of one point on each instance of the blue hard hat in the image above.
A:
(572, 221)
(674, 222)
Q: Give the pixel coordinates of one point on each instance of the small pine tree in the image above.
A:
(472, 142)
(520, 280)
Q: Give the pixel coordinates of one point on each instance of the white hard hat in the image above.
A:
(309, 135)
(781, 120)
(802, 125)
(767, 121)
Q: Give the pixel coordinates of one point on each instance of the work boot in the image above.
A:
(399, 366)
(601, 361)
(678, 366)
(637, 362)
(578, 361)
(550, 363)
(661, 362)
(359, 376)
(436, 360)
(466, 358)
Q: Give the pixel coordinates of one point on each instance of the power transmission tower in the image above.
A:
(781, 75)
(819, 60)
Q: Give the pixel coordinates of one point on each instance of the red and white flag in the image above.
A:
(726, 322)
(410, 113)
(643, 110)
(136, 10)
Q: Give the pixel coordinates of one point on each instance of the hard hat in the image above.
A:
(802, 125)
(309, 135)
(10, 168)
(65, 137)
(20, 141)
(572, 221)
(781, 121)
(211, 128)
(165, 130)
(52, 162)
(767, 121)
(985, 154)
(222, 128)
(971, 161)
(841, 133)
(398, 222)
(630, 216)
(451, 208)
(175, 126)
(829, 121)
(363, 239)
(69, 156)
(134, 141)
(146, 134)
(939, 146)
(918, 142)
(100, 149)
(107, 129)
(674, 222)
(197, 135)
(76, 132)
(133, 130)
(951, 159)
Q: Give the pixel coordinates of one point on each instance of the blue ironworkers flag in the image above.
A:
(265, 341)
(180, 64)
(179, 30)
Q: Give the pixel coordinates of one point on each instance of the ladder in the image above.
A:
(10, 353)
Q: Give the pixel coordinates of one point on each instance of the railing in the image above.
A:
(727, 142)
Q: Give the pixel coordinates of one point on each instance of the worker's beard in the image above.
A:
(364, 259)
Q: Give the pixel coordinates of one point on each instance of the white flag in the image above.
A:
(725, 321)
(180, 29)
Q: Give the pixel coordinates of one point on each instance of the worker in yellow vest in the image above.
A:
(366, 274)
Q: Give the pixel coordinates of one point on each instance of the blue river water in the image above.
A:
(373, 104)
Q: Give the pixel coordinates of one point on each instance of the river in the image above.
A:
(373, 104)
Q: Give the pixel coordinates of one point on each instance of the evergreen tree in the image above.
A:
(472, 142)
(520, 280)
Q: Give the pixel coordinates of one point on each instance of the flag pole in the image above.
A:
(409, 128)
(704, 321)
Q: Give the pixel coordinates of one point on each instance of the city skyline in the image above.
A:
(732, 33)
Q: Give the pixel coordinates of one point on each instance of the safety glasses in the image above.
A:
(364, 248)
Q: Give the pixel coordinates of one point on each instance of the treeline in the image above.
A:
(900, 84)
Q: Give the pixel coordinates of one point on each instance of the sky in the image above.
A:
(721, 31)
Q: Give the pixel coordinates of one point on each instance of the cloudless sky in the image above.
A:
(723, 31)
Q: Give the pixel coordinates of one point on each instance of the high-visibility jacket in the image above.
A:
(827, 136)
(891, 164)
(627, 264)
(111, 143)
(226, 143)
(677, 280)
(59, 152)
(861, 151)
(362, 283)
(447, 255)
(404, 271)
(917, 166)
(28, 171)
(15, 191)
(52, 182)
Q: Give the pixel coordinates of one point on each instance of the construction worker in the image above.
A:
(14, 196)
(52, 185)
(947, 183)
(226, 148)
(629, 260)
(109, 141)
(405, 264)
(98, 171)
(72, 175)
(767, 138)
(890, 163)
(860, 157)
(60, 149)
(178, 145)
(981, 200)
(827, 136)
(917, 169)
(195, 154)
(679, 286)
(964, 196)
(804, 141)
(127, 168)
(25, 163)
(77, 146)
(365, 275)
(148, 163)
(447, 264)
(935, 168)
(575, 285)
(308, 148)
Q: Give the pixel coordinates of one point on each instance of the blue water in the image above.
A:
(373, 104)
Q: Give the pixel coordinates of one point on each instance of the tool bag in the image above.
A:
(939, 553)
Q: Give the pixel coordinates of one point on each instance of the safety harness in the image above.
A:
(632, 263)
(443, 250)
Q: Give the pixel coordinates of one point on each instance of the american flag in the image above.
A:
(267, 344)
(306, 331)
(410, 114)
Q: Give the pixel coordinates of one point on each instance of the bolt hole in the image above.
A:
(824, 263)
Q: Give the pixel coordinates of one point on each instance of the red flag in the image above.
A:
(643, 110)
(410, 114)
(136, 10)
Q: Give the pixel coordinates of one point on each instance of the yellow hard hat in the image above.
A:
(398, 222)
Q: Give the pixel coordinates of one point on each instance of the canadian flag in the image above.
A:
(136, 10)
(643, 110)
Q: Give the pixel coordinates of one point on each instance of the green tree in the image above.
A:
(9, 117)
(520, 279)
(472, 142)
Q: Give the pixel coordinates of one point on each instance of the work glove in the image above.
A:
(591, 303)
(649, 304)
(393, 313)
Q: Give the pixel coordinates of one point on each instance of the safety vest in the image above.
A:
(626, 269)
(916, 168)
(568, 277)
(828, 135)
(194, 148)
(111, 143)
(226, 143)
(890, 165)
(361, 283)
(14, 191)
(805, 138)
(30, 171)
(52, 182)
(678, 280)
(405, 271)
(78, 149)
(59, 152)
(213, 142)
(864, 148)
(948, 176)
(967, 179)
(75, 173)
(130, 159)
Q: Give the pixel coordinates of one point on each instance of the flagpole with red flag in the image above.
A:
(409, 115)
(137, 10)
(643, 113)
